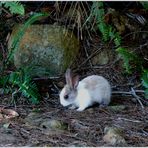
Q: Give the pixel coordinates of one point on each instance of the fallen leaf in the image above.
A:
(8, 113)
(1, 117)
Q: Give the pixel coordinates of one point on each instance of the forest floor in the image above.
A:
(50, 124)
(123, 123)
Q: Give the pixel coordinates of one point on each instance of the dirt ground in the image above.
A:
(81, 128)
(50, 124)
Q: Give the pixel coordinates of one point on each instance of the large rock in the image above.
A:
(46, 46)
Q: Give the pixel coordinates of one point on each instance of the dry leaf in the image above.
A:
(8, 113)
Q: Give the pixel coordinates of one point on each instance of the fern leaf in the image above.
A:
(145, 78)
(114, 36)
(97, 10)
(145, 5)
(127, 57)
(23, 81)
(30, 91)
(14, 7)
(145, 81)
(131, 60)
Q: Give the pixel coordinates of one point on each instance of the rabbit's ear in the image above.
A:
(75, 82)
(68, 76)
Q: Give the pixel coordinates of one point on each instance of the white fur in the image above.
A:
(90, 90)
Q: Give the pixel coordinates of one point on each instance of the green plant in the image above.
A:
(107, 31)
(144, 4)
(26, 86)
(97, 11)
(145, 81)
(22, 80)
(131, 61)
(14, 7)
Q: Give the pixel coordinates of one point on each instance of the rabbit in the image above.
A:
(82, 94)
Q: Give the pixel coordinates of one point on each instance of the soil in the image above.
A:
(84, 128)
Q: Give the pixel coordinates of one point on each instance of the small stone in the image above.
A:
(79, 125)
(61, 84)
(114, 136)
(34, 119)
(90, 110)
(78, 144)
(117, 108)
(54, 125)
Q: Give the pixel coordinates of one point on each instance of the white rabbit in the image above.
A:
(84, 93)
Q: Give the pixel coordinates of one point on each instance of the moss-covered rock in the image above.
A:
(46, 46)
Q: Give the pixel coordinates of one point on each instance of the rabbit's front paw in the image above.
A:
(80, 109)
(72, 107)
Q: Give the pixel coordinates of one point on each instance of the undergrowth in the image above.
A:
(131, 61)
(14, 7)
(19, 79)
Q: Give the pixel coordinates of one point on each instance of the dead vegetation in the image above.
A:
(83, 128)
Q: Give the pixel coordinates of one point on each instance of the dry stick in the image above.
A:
(130, 120)
(73, 6)
(137, 97)
(85, 15)
(134, 33)
(87, 55)
(94, 67)
(47, 78)
(133, 93)
(89, 58)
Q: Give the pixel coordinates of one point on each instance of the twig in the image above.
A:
(128, 93)
(137, 97)
(134, 33)
(56, 86)
(136, 121)
(46, 78)
(133, 93)
(87, 55)
(93, 54)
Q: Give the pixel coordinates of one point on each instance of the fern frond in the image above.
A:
(29, 90)
(23, 81)
(144, 4)
(126, 56)
(145, 81)
(14, 7)
(4, 80)
(114, 36)
(104, 30)
(145, 78)
(129, 59)
(98, 12)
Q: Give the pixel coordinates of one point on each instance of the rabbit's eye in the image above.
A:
(66, 97)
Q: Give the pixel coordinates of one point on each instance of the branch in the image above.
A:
(133, 93)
